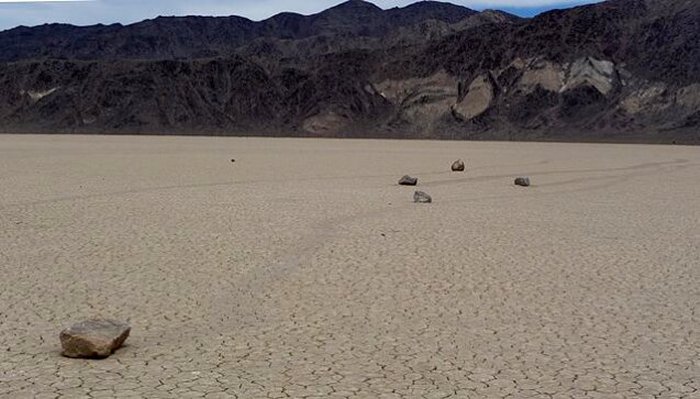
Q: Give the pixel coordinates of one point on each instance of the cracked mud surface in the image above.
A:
(303, 270)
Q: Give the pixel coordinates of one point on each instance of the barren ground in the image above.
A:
(303, 270)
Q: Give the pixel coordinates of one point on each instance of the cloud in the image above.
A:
(87, 12)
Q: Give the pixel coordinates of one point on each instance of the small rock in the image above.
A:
(233, 160)
(94, 338)
(422, 198)
(408, 181)
(522, 181)
(458, 166)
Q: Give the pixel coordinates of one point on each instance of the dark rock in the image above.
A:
(94, 338)
(458, 166)
(422, 198)
(408, 181)
(522, 181)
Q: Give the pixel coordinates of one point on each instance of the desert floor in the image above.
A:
(304, 270)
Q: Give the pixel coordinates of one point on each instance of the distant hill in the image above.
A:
(621, 70)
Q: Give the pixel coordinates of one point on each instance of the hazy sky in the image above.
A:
(86, 12)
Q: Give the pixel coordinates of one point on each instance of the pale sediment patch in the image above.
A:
(37, 95)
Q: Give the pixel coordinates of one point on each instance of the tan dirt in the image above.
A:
(303, 270)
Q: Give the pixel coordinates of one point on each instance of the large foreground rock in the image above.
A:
(408, 181)
(94, 338)
(458, 166)
(522, 181)
(422, 198)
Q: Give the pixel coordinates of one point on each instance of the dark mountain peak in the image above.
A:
(192, 19)
(426, 10)
(354, 17)
(353, 6)
(432, 6)
(285, 16)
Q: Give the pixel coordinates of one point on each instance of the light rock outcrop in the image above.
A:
(420, 101)
(540, 73)
(477, 100)
(592, 72)
(325, 122)
(37, 95)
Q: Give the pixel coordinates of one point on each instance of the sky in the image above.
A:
(88, 12)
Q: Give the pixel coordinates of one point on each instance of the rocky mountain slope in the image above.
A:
(621, 70)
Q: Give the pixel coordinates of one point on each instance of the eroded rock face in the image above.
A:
(422, 198)
(477, 100)
(324, 123)
(689, 97)
(537, 94)
(657, 103)
(97, 338)
(646, 99)
(560, 77)
(540, 73)
(458, 166)
(592, 72)
(420, 102)
(408, 181)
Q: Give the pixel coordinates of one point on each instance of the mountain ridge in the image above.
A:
(621, 70)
